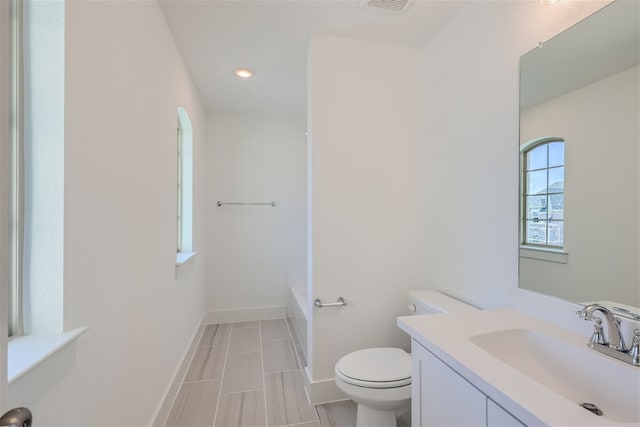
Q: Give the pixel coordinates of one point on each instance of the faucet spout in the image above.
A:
(616, 341)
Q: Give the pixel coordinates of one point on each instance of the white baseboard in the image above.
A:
(162, 412)
(244, 314)
(322, 391)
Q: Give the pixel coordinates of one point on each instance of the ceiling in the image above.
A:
(271, 36)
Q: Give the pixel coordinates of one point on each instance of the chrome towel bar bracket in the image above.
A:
(339, 303)
(220, 203)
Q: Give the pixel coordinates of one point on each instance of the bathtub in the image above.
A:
(297, 320)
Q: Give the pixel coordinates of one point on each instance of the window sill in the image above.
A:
(544, 254)
(25, 353)
(37, 362)
(183, 257)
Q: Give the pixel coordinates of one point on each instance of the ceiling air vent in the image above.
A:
(396, 6)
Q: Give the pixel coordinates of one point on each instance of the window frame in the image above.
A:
(184, 182)
(180, 200)
(35, 167)
(16, 171)
(524, 150)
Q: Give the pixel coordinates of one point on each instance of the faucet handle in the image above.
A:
(598, 333)
(634, 351)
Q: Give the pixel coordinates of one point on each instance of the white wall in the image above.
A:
(124, 82)
(415, 169)
(364, 117)
(599, 123)
(254, 251)
(470, 74)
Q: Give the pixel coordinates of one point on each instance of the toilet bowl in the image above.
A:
(379, 381)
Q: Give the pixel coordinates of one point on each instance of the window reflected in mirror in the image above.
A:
(543, 193)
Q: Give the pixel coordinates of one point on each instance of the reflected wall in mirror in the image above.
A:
(583, 87)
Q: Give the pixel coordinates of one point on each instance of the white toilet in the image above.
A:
(379, 379)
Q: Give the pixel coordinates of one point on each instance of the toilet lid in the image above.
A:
(390, 366)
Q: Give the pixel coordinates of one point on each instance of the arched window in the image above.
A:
(542, 212)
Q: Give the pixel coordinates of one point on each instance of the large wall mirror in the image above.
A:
(579, 140)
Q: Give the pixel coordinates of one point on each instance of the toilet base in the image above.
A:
(368, 417)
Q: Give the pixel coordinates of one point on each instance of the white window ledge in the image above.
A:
(25, 353)
(183, 257)
(544, 254)
(37, 362)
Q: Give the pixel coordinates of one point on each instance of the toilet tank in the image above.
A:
(435, 302)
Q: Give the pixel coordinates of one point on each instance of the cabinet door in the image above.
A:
(498, 417)
(440, 397)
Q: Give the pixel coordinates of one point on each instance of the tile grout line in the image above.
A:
(264, 376)
(245, 352)
(201, 381)
(297, 424)
(224, 370)
(279, 339)
(298, 358)
(184, 376)
(295, 352)
(186, 372)
(204, 365)
(249, 326)
(240, 392)
(283, 371)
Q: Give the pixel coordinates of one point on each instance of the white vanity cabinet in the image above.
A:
(442, 397)
(498, 417)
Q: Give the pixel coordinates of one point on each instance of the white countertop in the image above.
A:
(447, 336)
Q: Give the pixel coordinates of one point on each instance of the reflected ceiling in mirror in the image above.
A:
(583, 86)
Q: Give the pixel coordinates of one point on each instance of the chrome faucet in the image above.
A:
(615, 346)
(616, 341)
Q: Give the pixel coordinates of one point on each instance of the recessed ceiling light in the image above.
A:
(548, 2)
(243, 73)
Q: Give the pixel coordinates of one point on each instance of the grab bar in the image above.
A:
(17, 417)
(339, 303)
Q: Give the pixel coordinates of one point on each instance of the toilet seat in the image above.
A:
(384, 367)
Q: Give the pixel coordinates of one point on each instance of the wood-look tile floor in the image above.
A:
(248, 374)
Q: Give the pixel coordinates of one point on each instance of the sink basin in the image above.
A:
(577, 373)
